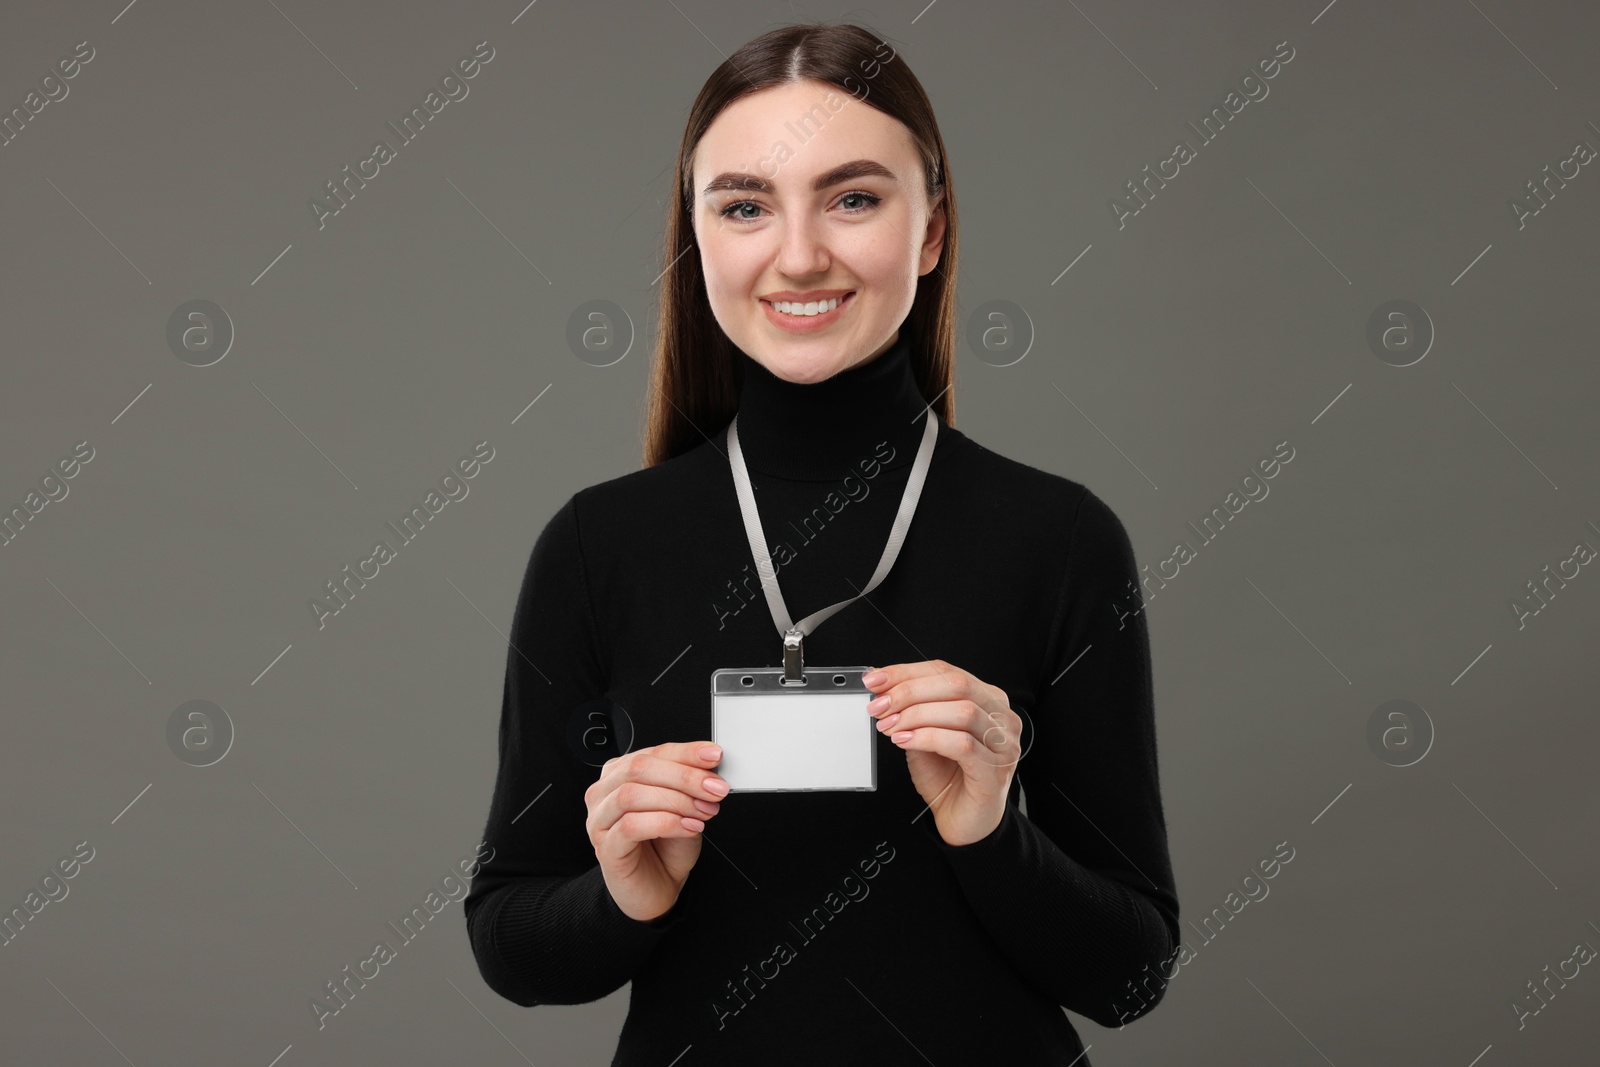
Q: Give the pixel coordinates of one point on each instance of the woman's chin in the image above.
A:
(803, 370)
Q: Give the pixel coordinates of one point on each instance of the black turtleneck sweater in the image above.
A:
(836, 927)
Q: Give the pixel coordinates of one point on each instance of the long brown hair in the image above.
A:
(694, 377)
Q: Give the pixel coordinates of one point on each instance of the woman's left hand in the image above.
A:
(962, 742)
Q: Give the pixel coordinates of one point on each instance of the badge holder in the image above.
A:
(794, 729)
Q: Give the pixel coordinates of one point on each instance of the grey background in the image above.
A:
(1227, 317)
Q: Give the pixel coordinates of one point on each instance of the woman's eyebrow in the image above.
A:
(742, 181)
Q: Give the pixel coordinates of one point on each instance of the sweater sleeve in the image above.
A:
(1079, 892)
(544, 928)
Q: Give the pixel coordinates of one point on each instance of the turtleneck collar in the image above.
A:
(821, 431)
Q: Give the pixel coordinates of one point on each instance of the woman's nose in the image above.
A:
(802, 252)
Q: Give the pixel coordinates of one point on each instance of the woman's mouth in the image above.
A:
(803, 323)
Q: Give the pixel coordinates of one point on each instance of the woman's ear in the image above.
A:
(933, 243)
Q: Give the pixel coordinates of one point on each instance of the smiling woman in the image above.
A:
(807, 319)
(847, 226)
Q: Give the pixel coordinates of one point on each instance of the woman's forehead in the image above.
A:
(809, 127)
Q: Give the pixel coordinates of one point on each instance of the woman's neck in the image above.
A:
(820, 431)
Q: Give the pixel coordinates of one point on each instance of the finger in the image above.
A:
(913, 683)
(976, 760)
(689, 752)
(644, 780)
(703, 754)
(637, 826)
(636, 797)
(999, 735)
(900, 672)
(999, 731)
(948, 714)
(678, 766)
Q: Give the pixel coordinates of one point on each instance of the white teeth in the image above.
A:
(815, 307)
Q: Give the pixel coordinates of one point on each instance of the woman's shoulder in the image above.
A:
(619, 506)
(684, 473)
(1040, 514)
(1010, 485)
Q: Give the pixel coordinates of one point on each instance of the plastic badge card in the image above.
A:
(778, 738)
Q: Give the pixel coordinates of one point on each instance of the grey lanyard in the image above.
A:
(793, 632)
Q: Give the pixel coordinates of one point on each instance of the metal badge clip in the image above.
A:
(794, 667)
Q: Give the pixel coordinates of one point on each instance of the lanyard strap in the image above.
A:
(793, 632)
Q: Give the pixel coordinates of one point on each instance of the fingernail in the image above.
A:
(710, 752)
(717, 787)
(870, 680)
(876, 705)
(706, 806)
(888, 724)
(903, 735)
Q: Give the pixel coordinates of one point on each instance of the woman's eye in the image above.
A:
(728, 211)
(868, 201)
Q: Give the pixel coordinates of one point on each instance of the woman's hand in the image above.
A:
(646, 811)
(962, 742)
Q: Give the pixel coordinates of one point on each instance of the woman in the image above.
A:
(930, 919)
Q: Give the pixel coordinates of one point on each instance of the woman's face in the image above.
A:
(782, 219)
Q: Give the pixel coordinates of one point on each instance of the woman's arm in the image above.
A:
(543, 926)
(1079, 893)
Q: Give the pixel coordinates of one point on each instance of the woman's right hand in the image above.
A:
(646, 811)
